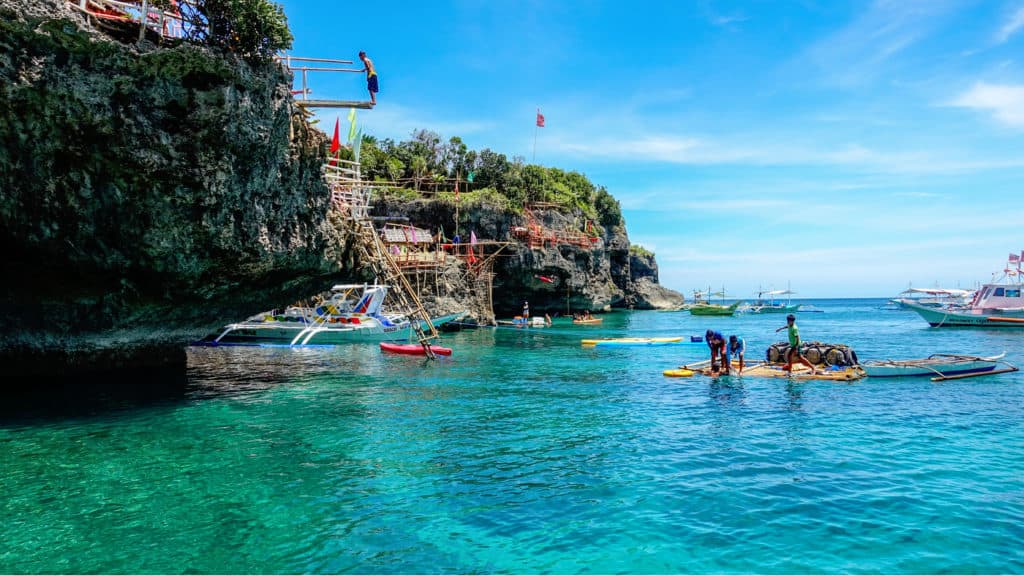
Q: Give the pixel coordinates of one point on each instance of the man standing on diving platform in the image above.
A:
(371, 77)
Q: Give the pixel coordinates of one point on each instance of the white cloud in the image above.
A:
(859, 52)
(1014, 23)
(769, 150)
(1004, 101)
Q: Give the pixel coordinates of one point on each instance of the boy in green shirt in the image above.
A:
(794, 346)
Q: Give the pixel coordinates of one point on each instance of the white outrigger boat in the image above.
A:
(939, 367)
(998, 304)
(766, 303)
(934, 297)
(351, 314)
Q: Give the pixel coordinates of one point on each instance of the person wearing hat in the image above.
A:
(736, 347)
(716, 342)
(526, 310)
(794, 346)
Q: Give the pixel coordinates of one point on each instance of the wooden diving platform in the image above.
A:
(299, 66)
(335, 104)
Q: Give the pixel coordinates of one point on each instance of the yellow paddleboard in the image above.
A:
(630, 341)
(678, 372)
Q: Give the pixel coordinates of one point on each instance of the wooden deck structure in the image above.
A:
(126, 19)
(539, 237)
(412, 247)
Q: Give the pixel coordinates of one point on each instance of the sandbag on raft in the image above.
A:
(815, 352)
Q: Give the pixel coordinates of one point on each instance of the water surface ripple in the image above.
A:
(526, 453)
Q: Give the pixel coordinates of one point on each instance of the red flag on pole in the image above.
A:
(540, 119)
(336, 141)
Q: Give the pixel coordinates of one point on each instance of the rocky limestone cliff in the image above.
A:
(596, 277)
(148, 195)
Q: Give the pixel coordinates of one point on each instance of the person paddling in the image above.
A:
(794, 346)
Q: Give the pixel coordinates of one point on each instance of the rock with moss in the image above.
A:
(149, 195)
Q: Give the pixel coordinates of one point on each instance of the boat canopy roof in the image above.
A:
(776, 292)
(342, 287)
(937, 291)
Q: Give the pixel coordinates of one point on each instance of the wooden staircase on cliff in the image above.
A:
(350, 197)
(375, 254)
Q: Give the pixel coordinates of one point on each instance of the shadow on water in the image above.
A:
(209, 373)
(89, 395)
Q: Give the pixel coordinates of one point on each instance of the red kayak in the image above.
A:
(414, 349)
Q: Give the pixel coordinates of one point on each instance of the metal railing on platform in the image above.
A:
(299, 65)
(348, 193)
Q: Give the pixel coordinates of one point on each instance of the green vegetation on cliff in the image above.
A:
(638, 250)
(254, 29)
(425, 164)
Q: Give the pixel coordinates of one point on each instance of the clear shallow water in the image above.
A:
(526, 453)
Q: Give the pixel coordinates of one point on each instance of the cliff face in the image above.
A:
(147, 196)
(596, 277)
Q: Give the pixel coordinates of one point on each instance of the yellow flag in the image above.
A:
(352, 125)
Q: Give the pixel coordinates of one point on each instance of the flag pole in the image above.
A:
(535, 126)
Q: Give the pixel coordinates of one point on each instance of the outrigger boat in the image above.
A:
(351, 314)
(714, 309)
(766, 303)
(934, 297)
(939, 367)
(703, 307)
(998, 304)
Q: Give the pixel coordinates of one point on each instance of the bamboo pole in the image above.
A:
(973, 374)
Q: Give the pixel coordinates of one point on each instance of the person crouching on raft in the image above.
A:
(794, 346)
(736, 347)
(716, 342)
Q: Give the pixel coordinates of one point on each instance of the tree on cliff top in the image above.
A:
(425, 157)
(254, 29)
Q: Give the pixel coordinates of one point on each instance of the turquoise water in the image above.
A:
(526, 453)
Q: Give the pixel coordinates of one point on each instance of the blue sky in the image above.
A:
(846, 149)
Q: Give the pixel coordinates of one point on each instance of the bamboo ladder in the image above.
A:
(375, 253)
(350, 198)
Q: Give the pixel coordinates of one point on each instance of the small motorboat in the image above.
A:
(414, 349)
(938, 367)
(587, 320)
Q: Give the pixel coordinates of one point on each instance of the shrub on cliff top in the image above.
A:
(254, 29)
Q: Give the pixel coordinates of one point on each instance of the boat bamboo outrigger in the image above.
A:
(940, 367)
